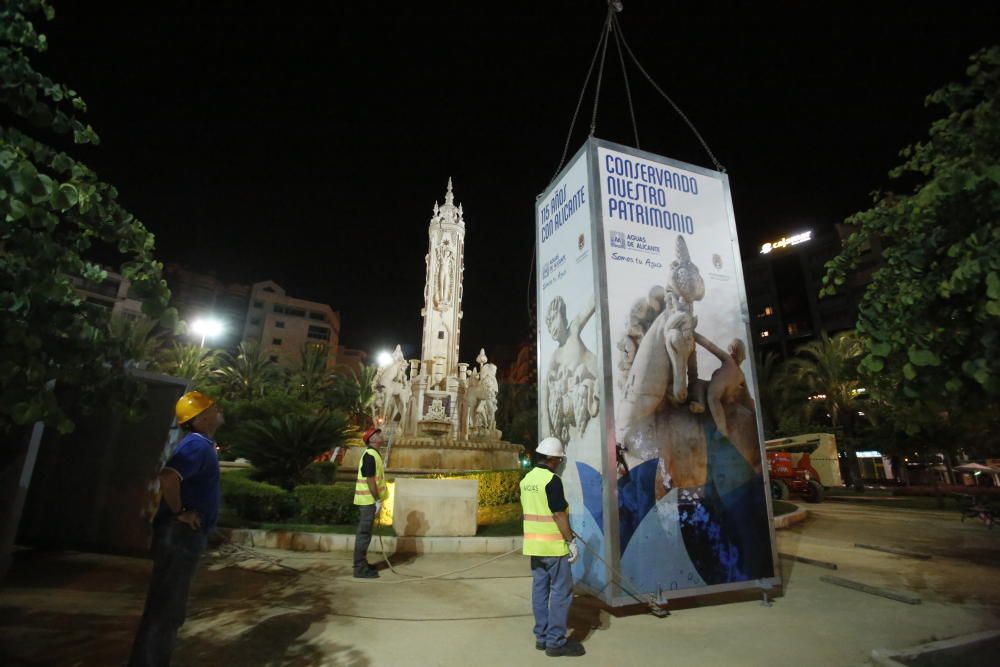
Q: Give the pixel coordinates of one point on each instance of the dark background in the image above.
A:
(307, 142)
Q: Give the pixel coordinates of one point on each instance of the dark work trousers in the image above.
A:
(551, 596)
(176, 550)
(363, 537)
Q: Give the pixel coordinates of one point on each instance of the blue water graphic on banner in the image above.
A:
(708, 535)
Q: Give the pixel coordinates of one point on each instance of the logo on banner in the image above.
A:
(717, 261)
(618, 240)
(580, 242)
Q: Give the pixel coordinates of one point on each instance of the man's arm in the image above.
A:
(562, 521)
(586, 311)
(373, 487)
(170, 485)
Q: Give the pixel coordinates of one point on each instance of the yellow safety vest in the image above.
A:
(362, 494)
(541, 534)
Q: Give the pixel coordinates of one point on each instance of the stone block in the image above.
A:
(435, 507)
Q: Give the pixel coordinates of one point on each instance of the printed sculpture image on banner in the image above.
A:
(571, 397)
(687, 447)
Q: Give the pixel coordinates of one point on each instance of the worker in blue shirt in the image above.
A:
(188, 511)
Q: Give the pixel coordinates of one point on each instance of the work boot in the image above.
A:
(540, 645)
(570, 649)
(366, 574)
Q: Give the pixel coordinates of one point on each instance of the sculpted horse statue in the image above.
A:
(394, 391)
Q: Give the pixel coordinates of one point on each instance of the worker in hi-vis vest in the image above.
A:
(369, 492)
(549, 541)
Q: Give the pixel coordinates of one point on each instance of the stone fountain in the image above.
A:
(438, 414)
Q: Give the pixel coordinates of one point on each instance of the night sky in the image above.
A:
(307, 142)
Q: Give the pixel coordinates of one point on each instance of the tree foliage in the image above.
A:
(56, 214)
(930, 319)
(283, 447)
(312, 379)
(247, 374)
(353, 393)
(188, 361)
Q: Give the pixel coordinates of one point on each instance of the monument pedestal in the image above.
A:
(435, 507)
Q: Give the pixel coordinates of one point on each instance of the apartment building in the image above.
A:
(111, 293)
(783, 283)
(282, 325)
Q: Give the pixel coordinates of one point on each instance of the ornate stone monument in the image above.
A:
(438, 413)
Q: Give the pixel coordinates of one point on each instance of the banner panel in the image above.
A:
(692, 509)
(569, 346)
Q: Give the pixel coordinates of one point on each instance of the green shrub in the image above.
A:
(282, 448)
(321, 472)
(496, 487)
(255, 501)
(326, 503)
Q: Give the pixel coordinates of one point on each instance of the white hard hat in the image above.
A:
(551, 446)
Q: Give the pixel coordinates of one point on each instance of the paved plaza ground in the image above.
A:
(61, 608)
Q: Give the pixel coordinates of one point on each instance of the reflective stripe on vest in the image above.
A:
(362, 494)
(541, 534)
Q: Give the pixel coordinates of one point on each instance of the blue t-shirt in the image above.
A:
(196, 462)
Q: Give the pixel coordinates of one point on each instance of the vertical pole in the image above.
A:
(21, 469)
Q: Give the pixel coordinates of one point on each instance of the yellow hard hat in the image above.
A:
(191, 405)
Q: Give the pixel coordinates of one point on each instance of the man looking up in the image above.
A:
(369, 492)
(187, 513)
(549, 541)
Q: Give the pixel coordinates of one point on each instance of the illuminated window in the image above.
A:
(768, 311)
(765, 334)
(793, 329)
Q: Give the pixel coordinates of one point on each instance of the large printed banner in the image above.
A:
(569, 387)
(664, 454)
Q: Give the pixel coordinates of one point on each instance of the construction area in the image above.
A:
(71, 608)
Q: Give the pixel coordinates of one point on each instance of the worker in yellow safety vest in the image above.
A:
(369, 493)
(549, 541)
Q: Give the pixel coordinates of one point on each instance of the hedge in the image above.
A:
(321, 472)
(496, 487)
(325, 503)
(256, 501)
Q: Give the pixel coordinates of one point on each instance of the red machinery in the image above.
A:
(788, 476)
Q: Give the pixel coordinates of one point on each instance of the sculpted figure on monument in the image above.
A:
(445, 272)
(392, 390)
(481, 397)
(569, 388)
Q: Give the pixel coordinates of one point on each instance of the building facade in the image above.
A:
(283, 325)
(196, 295)
(783, 283)
(112, 293)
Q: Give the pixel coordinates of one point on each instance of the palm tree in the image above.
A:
(827, 372)
(283, 447)
(136, 340)
(352, 392)
(773, 386)
(248, 373)
(312, 380)
(188, 361)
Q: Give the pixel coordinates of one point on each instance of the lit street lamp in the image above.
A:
(207, 327)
